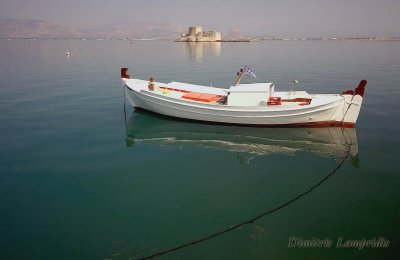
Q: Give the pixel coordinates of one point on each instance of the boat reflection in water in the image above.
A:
(277, 191)
(152, 128)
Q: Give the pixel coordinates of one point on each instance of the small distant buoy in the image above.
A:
(67, 54)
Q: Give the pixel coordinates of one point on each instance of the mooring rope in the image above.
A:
(348, 108)
(252, 220)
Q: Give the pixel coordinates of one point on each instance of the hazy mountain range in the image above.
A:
(24, 28)
(19, 28)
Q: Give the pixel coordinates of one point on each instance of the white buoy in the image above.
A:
(67, 54)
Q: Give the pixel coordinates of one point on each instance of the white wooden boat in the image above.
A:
(255, 104)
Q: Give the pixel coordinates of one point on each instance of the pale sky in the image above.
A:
(251, 17)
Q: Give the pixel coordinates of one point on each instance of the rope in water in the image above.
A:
(252, 220)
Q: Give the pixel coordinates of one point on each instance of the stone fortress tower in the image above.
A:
(196, 34)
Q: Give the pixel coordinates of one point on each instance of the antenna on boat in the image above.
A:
(295, 83)
(239, 76)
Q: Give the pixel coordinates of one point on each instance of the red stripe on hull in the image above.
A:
(322, 124)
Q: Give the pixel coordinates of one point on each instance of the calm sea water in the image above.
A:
(78, 181)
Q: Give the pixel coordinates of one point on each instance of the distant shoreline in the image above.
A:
(346, 39)
(233, 40)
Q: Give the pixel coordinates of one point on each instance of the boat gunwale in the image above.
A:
(304, 110)
(249, 109)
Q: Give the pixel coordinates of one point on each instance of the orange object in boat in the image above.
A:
(202, 97)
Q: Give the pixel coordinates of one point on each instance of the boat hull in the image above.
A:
(342, 110)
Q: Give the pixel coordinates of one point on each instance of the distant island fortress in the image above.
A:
(196, 34)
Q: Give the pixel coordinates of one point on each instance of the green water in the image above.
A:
(79, 181)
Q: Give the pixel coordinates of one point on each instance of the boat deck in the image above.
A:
(218, 96)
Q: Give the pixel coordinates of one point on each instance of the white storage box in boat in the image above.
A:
(249, 94)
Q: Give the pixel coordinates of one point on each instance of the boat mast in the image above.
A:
(240, 75)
